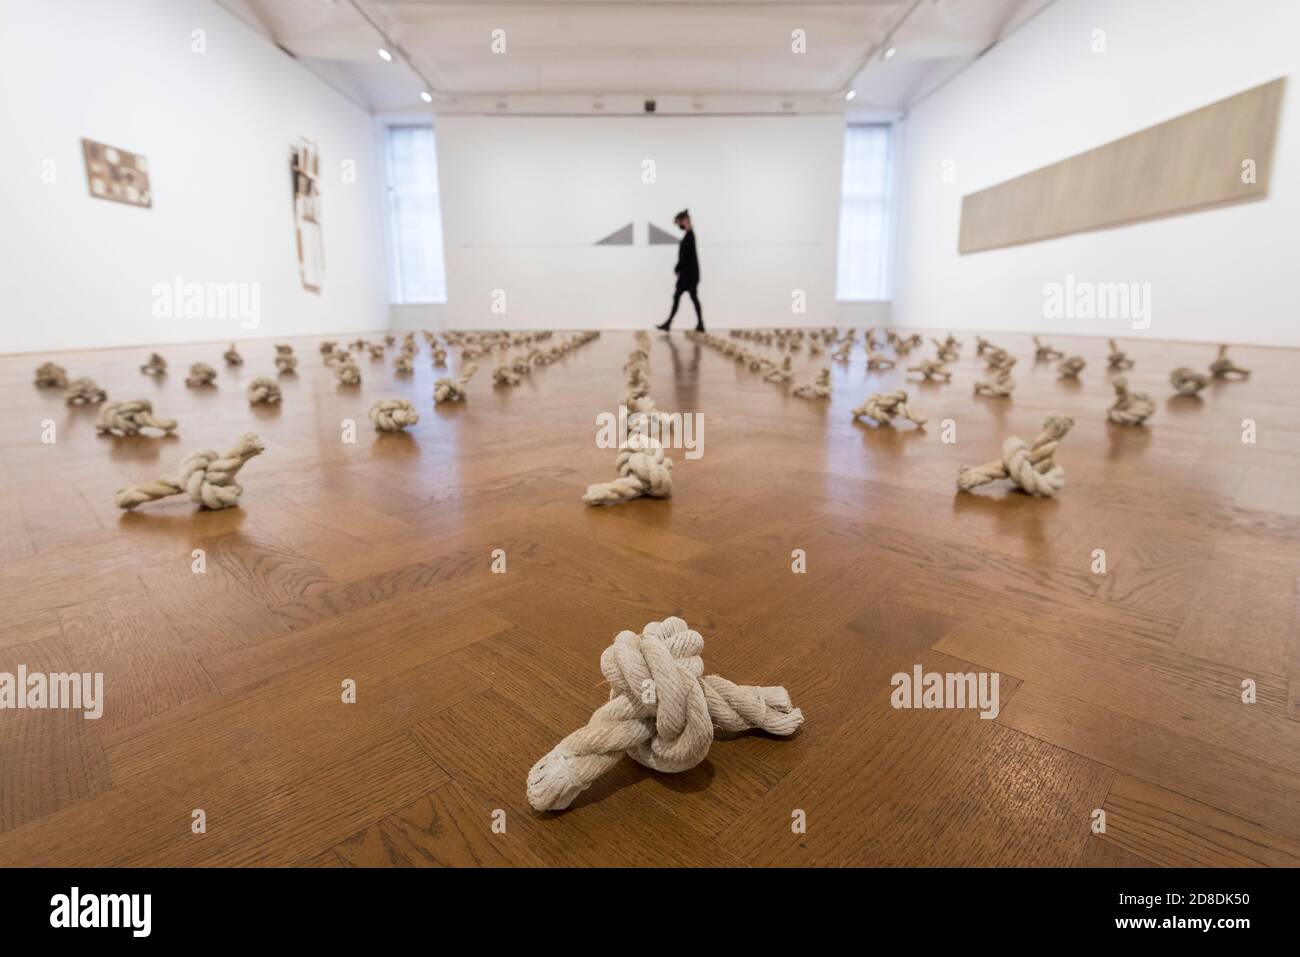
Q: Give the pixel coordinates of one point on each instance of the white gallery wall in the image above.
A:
(525, 199)
(216, 129)
(1042, 95)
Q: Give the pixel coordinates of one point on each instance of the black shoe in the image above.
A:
(665, 326)
(699, 325)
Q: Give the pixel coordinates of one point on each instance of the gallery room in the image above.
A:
(590, 433)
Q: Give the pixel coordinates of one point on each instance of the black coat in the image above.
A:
(688, 265)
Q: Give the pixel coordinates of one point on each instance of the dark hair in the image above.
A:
(684, 214)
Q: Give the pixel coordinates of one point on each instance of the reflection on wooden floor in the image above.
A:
(372, 562)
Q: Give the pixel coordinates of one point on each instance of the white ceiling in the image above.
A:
(710, 51)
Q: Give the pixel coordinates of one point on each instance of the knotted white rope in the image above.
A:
(884, 406)
(286, 363)
(207, 477)
(263, 392)
(232, 356)
(1071, 367)
(201, 374)
(1032, 468)
(903, 346)
(1187, 381)
(503, 373)
(661, 713)
(1223, 367)
(393, 415)
(156, 365)
(995, 358)
(643, 470)
(327, 347)
(1118, 361)
(818, 388)
(1130, 408)
(402, 365)
(784, 373)
(377, 350)
(83, 391)
(51, 376)
(947, 351)
(1043, 352)
(128, 418)
(1000, 382)
(453, 390)
(348, 373)
(931, 370)
(878, 362)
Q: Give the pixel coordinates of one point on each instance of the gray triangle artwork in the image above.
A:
(620, 237)
(661, 237)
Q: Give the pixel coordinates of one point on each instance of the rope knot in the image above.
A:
(661, 712)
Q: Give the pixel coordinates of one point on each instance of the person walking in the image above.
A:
(688, 272)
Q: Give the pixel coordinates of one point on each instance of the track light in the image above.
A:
(890, 52)
(426, 96)
(385, 55)
(851, 94)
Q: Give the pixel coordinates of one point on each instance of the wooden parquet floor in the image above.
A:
(373, 562)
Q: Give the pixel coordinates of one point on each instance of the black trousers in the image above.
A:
(695, 301)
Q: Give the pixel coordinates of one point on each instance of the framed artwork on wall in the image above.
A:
(305, 166)
(116, 174)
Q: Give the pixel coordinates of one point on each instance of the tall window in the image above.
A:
(415, 216)
(864, 214)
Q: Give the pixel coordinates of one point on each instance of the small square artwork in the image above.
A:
(115, 174)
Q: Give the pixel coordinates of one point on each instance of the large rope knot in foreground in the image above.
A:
(128, 418)
(884, 406)
(207, 477)
(661, 713)
(1031, 467)
(393, 415)
(643, 469)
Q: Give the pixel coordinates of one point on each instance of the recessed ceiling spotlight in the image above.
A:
(426, 96)
(385, 55)
(890, 52)
(851, 94)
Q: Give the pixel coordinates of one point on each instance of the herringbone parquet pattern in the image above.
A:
(372, 562)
